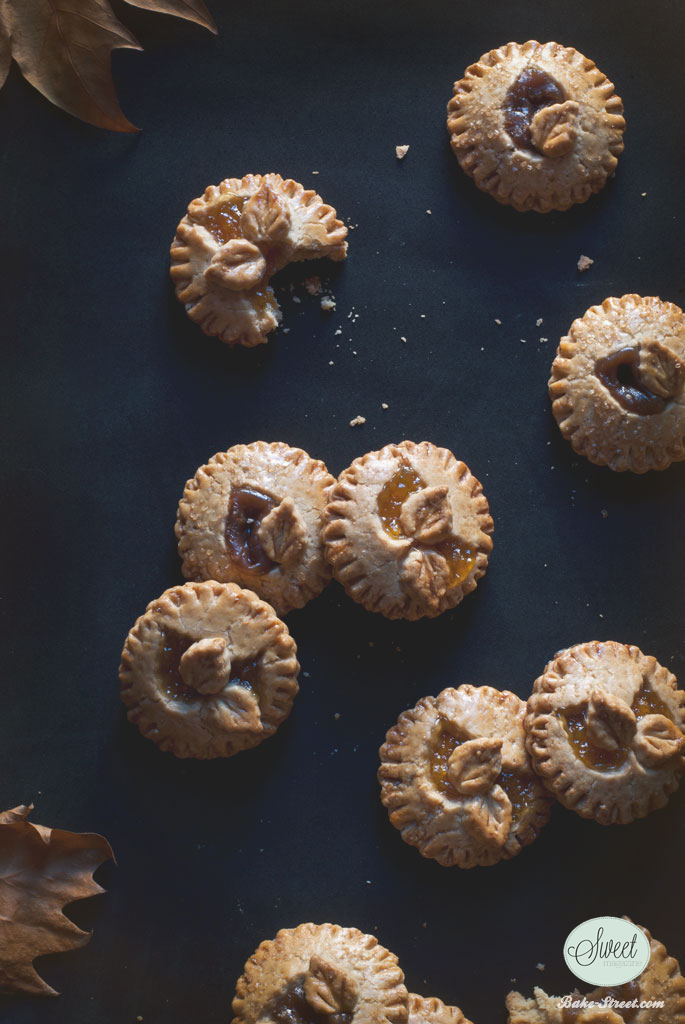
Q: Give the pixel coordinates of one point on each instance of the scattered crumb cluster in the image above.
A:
(358, 421)
(584, 263)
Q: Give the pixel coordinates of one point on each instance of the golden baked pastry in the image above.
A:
(661, 980)
(407, 530)
(536, 125)
(433, 1011)
(457, 781)
(618, 384)
(234, 238)
(208, 670)
(253, 516)
(321, 974)
(604, 729)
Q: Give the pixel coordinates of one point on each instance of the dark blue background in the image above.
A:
(113, 398)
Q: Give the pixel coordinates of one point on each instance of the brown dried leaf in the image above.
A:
(41, 871)
(327, 989)
(64, 50)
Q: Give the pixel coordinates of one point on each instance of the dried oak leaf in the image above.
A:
(64, 47)
(41, 871)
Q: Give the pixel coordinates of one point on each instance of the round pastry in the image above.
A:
(456, 779)
(618, 384)
(433, 1011)
(253, 516)
(408, 530)
(321, 974)
(208, 670)
(604, 729)
(231, 242)
(538, 126)
(660, 982)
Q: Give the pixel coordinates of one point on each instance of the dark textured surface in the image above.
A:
(113, 398)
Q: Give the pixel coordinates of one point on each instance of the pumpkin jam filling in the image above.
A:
(646, 702)
(174, 645)
(532, 90)
(222, 220)
(520, 787)
(618, 373)
(246, 509)
(406, 481)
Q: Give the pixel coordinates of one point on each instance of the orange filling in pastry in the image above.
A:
(520, 787)
(618, 373)
(246, 509)
(532, 90)
(222, 220)
(392, 496)
(646, 702)
(173, 647)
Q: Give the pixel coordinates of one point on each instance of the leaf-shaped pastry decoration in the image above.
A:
(658, 739)
(489, 817)
(660, 371)
(425, 574)
(265, 217)
(327, 989)
(206, 665)
(238, 266)
(41, 871)
(611, 724)
(554, 129)
(426, 515)
(243, 707)
(282, 533)
(474, 765)
(64, 50)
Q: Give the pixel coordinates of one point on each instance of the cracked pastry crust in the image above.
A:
(661, 980)
(537, 125)
(208, 670)
(407, 530)
(457, 781)
(433, 1011)
(234, 238)
(252, 515)
(604, 729)
(618, 384)
(321, 974)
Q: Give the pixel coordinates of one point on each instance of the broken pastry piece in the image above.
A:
(234, 238)
(537, 125)
(604, 730)
(253, 516)
(407, 530)
(208, 670)
(457, 781)
(618, 384)
(321, 974)
(433, 1011)
(661, 981)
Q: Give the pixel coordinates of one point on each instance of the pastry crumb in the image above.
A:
(384, 405)
(328, 303)
(543, 340)
(339, 331)
(315, 172)
(498, 322)
(538, 322)
(331, 363)
(285, 330)
(523, 341)
(539, 967)
(358, 421)
(296, 299)
(643, 194)
(313, 285)
(604, 513)
(584, 263)
(429, 211)
(336, 716)
(401, 152)
(403, 339)
(424, 924)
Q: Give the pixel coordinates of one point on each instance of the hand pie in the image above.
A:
(231, 242)
(407, 530)
(208, 670)
(618, 384)
(456, 779)
(604, 730)
(538, 126)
